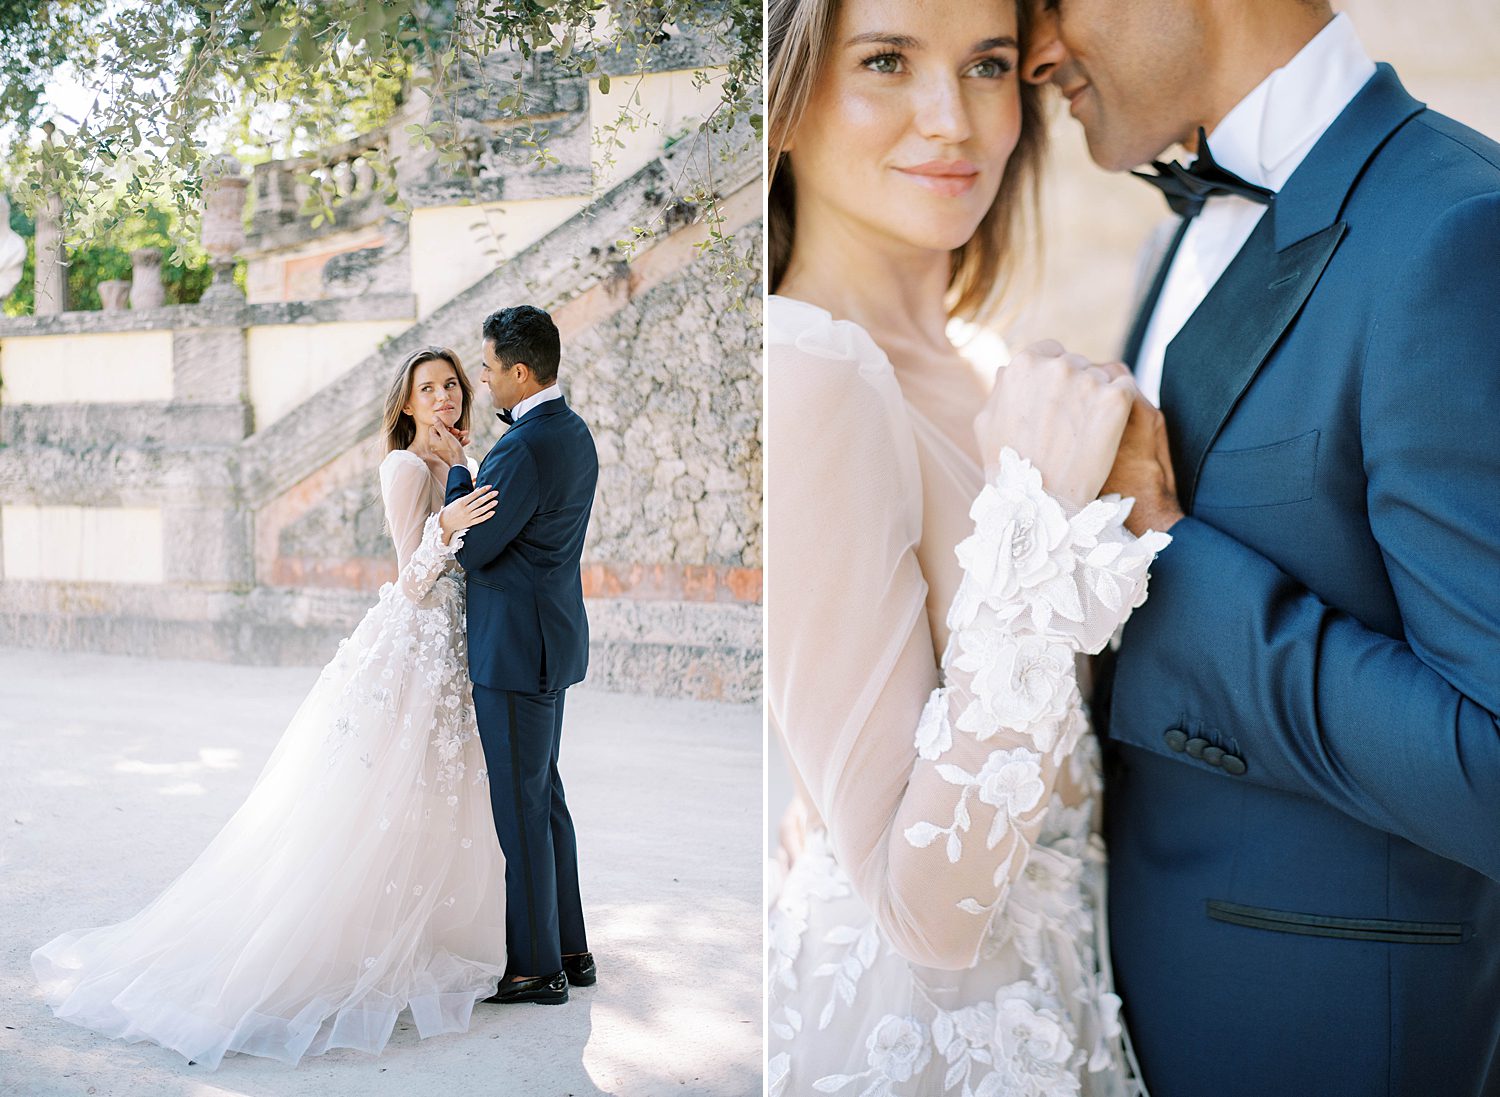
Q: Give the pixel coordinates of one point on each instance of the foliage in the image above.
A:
(181, 81)
(37, 37)
(183, 278)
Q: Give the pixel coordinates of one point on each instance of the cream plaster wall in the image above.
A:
(452, 247)
(112, 367)
(660, 104)
(290, 362)
(296, 274)
(89, 544)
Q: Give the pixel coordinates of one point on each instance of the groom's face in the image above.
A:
(1131, 70)
(502, 380)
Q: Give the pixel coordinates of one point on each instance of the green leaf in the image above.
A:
(274, 38)
(604, 83)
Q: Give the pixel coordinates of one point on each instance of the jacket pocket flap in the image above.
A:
(1263, 476)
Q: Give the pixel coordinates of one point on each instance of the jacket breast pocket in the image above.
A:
(1262, 476)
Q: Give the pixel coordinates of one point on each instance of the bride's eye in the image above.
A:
(888, 64)
(991, 68)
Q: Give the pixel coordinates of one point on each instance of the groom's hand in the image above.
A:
(1143, 466)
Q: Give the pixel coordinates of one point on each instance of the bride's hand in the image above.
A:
(1061, 412)
(468, 510)
(446, 444)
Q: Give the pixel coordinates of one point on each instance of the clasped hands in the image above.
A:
(1086, 428)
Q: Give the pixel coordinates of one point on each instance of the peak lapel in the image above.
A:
(1220, 349)
(1216, 355)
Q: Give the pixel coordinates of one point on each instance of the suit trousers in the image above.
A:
(520, 733)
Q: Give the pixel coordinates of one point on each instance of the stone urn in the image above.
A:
(147, 291)
(223, 226)
(113, 294)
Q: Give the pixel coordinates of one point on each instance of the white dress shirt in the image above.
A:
(551, 392)
(1262, 140)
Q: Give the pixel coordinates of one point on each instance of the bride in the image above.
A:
(932, 578)
(362, 875)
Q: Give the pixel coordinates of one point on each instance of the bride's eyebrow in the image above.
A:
(907, 42)
(885, 38)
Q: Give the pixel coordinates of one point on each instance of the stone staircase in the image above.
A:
(271, 540)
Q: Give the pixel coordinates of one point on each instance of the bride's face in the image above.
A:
(912, 119)
(436, 395)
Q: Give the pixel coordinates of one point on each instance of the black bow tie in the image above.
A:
(505, 416)
(1188, 188)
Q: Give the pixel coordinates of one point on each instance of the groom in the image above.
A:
(528, 642)
(1304, 785)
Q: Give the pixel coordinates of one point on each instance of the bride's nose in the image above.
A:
(941, 113)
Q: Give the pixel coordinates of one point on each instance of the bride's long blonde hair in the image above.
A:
(798, 38)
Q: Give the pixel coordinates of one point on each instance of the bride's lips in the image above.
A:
(949, 178)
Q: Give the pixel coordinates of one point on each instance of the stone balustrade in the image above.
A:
(281, 190)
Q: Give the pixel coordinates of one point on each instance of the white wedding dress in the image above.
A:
(361, 876)
(941, 932)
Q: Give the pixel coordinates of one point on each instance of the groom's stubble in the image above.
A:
(1143, 75)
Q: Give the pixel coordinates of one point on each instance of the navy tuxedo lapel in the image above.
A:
(1225, 342)
(1215, 357)
(1143, 314)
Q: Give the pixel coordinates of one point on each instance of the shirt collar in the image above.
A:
(551, 392)
(1267, 134)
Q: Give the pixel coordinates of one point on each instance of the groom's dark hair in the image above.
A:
(527, 334)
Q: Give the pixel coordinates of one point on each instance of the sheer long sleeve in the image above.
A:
(930, 775)
(421, 556)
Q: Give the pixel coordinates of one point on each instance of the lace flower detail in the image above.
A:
(1020, 534)
(1029, 559)
(1033, 1048)
(897, 1049)
(1009, 781)
(1021, 683)
(934, 736)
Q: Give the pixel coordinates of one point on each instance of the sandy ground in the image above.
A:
(115, 772)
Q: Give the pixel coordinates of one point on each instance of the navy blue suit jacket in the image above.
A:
(528, 632)
(1303, 806)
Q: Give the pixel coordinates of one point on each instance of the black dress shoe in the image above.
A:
(544, 990)
(580, 969)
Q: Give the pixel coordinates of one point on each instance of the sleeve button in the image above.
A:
(1234, 765)
(1196, 746)
(1176, 739)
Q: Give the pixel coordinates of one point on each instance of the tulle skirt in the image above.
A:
(360, 878)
